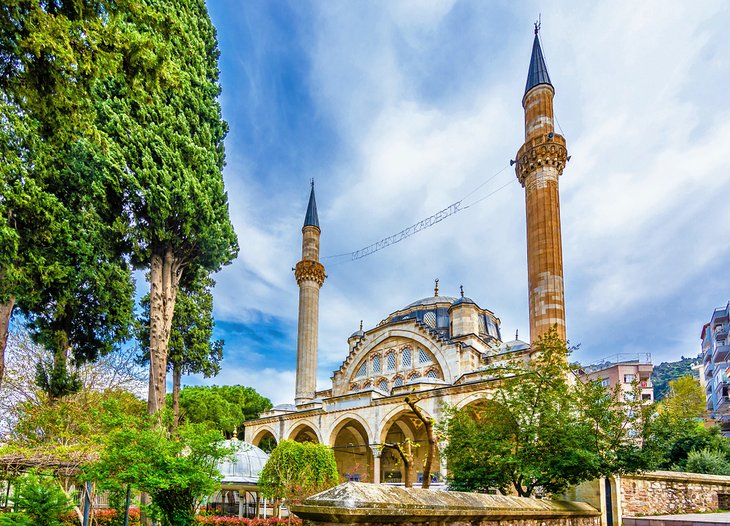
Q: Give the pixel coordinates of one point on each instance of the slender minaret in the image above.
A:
(309, 273)
(540, 161)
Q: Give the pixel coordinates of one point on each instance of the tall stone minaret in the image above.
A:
(309, 273)
(539, 163)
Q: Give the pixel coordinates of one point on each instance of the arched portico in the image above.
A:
(400, 426)
(351, 445)
(304, 432)
(265, 439)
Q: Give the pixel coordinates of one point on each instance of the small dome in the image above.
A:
(357, 334)
(464, 301)
(246, 464)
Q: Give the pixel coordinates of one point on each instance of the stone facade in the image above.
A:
(666, 492)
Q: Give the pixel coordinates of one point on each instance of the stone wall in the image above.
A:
(665, 492)
(381, 504)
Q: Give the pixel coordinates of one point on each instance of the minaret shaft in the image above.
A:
(540, 162)
(310, 276)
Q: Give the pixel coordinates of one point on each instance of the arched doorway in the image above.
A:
(351, 446)
(406, 426)
(265, 440)
(304, 433)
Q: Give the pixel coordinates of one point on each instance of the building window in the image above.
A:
(405, 359)
(432, 374)
(645, 397)
(376, 363)
(390, 361)
(606, 382)
(413, 375)
(430, 319)
(362, 371)
(398, 381)
(383, 386)
(423, 357)
(353, 388)
(628, 378)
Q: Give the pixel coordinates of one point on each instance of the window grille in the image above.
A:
(383, 386)
(398, 381)
(390, 361)
(414, 374)
(376, 363)
(432, 374)
(405, 358)
(430, 319)
(362, 371)
(353, 388)
(423, 357)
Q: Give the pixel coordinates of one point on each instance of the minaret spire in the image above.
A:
(539, 163)
(538, 73)
(310, 276)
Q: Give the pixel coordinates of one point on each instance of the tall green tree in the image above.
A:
(192, 349)
(542, 428)
(168, 137)
(60, 202)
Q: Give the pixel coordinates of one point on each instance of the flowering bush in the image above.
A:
(105, 517)
(235, 521)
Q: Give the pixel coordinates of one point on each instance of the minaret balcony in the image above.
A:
(545, 150)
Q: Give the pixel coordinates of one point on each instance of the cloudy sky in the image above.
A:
(398, 109)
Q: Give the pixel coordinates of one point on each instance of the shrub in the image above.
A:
(105, 517)
(707, 461)
(41, 499)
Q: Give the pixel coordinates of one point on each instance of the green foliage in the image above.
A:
(708, 461)
(41, 499)
(686, 399)
(665, 372)
(297, 470)
(542, 430)
(74, 423)
(225, 407)
(175, 470)
(59, 200)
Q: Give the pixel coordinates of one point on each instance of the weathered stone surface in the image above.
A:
(665, 492)
(354, 502)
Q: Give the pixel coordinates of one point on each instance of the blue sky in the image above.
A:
(398, 109)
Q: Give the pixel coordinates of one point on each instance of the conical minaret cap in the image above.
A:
(538, 73)
(311, 219)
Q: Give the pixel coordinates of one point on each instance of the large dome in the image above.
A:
(246, 464)
(433, 300)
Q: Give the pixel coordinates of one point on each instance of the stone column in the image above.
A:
(377, 451)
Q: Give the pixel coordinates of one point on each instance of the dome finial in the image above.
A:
(360, 324)
(461, 289)
(538, 23)
(537, 73)
(517, 334)
(436, 288)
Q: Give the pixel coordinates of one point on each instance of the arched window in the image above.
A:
(376, 363)
(405, 359)
(383, 385)
(362, 371)
(423, 357)
(354, 388)
(390, 361)
(432, 374)
(413, 375)
(398, 381)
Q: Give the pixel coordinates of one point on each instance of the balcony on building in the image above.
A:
(709, 370)
(721, 352)
(720, 331)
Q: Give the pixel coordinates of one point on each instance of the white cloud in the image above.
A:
(640, 96)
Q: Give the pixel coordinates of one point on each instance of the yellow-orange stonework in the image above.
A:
(540, 161)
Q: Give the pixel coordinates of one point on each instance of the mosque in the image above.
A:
(438, 350)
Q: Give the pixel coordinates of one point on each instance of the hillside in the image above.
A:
(668, 371)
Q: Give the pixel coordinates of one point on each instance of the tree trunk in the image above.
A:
(164, 282)
(406, 455)
(176, 378)
(6, 311)
(432, 443)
